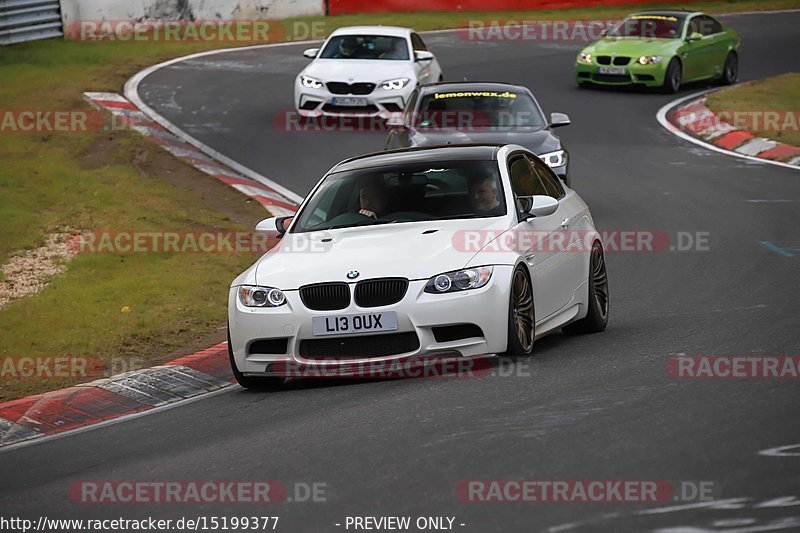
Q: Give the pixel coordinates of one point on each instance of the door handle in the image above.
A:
(565, 223)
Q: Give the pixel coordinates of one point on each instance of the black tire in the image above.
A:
(730, 69)
(673, 77)
(597, 317)
(521, 316)
(250, 382)
(584, 85)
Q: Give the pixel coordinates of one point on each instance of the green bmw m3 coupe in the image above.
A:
(661, 49)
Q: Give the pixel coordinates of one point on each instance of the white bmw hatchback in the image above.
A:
(364, 70)
(457, 251)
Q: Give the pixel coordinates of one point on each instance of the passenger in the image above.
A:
(484, 195)
(374, 199)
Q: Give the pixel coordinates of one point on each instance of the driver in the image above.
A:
(374, 199)
(348, 47)
(483, 195)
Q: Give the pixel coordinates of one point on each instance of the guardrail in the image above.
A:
(29, 20)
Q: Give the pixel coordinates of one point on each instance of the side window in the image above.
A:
(711, 26)
(417, 43)
(551, 182)
(524, 179)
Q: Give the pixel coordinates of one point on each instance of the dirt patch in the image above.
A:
(28, 272)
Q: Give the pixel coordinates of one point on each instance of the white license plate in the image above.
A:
(350, 102)
(612, 70)
(352, 324)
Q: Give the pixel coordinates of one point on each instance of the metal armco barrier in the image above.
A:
(29, 20)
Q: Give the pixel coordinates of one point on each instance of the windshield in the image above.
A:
(405, 193)
(462, 110)
(366, 47)
(649, 27)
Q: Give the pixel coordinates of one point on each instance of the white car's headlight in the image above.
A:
(554, 159)
(585, 57)
(393, 85)
(459, 280)
(311, 83)
(252, 296)
(650, 60)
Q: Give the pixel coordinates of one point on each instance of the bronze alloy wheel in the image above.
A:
(600, 279)
(523, 310)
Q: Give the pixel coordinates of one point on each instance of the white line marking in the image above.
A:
(791, 450)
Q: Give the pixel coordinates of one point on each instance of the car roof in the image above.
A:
(432, 154)
(473, 86)
(667, 13)
(395, 31)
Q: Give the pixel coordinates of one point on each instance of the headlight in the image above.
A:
(392, 85)
(459, 280)
(650, 60)
(251, 296)
(585, 58)
(554, 159)
(311, 83)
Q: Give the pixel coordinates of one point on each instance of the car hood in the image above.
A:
(358, 70)
(409, 250)
(537, 141)
(634, 47)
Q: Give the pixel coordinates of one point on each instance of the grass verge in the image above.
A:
(767, 108)
(88, 180)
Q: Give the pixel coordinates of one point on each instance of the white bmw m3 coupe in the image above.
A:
(364, 70)
(455, 251)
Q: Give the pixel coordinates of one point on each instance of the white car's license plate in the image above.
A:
(612, 70)
(351, 324)
(350, 102)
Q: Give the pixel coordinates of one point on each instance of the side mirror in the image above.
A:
(559, 119)
(311, 53)
(422, 55)
(279, 224)
(538, 205)
(396, 120)
(695, 36)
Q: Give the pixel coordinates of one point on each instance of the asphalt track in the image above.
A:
(600, 407)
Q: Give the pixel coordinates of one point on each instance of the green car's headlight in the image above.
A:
(459, 280)
(585, 57)
(650, 60)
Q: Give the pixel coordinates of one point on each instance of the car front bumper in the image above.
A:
(417, 313)
(635, 74)
(320, 102)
